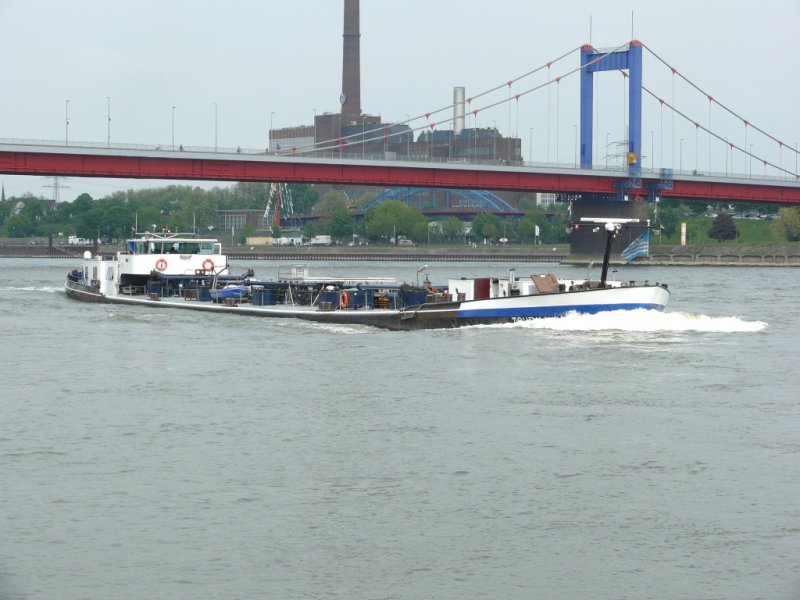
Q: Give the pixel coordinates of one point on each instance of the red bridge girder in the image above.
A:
(80, 162)
(733, 191)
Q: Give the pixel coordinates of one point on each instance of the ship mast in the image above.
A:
(612, 227)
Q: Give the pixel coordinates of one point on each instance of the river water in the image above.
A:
(166, 454)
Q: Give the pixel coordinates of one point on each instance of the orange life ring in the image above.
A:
(208, 265)
(344, 300)
(161, 264)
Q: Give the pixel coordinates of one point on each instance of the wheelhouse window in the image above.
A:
(175, 247)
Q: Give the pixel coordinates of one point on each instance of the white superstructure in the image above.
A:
(164, 254)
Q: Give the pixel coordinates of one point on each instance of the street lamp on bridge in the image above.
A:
(530, 145)
(576, 146)
(494, 141)
(314, 147)
(66, 123)
(726, 156)
(173, 128)
(680, 154)
(269, 139)
(408, 138)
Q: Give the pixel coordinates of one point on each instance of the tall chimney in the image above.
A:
(351, 61)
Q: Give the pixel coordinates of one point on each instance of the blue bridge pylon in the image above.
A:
(630, 59)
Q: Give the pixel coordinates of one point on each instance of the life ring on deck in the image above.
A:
(161, 264)
(208, 265)
(344, 300)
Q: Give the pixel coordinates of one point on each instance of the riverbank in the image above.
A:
(662, 255)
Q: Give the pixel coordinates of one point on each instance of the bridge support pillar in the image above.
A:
(630, 59)
(587, 107)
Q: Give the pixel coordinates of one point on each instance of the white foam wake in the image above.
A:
(30, 288)
(643, 320)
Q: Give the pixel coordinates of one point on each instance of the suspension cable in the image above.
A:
(557, 79)
(717, 102)
(720, 138)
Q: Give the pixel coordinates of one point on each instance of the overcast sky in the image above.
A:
(281, 60)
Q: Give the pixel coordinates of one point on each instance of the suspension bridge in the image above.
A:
(365, 157)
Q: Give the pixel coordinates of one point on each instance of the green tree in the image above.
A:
(5, 211)
(330, 202)
(490, 231)
(81, 204)
(248, 195)
(453, 229)
(723, 228)
(393, 218)
(87, 225)
(19, 225)
(311, 230)
(198, 212)
(116, 218)
(528, 205)
(34, 209)
(668, 218)
(420, 232)
(788, 224)
(304, 197)
(486, 225)
(340, 225)
(249, 230)
(555, 230)
(527, 228)
(148, 216)
(28, 220)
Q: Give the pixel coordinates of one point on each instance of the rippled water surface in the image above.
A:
(166, 454)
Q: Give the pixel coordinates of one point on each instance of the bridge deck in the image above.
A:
(81, 161)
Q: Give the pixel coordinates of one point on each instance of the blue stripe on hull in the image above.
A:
(551, 311)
